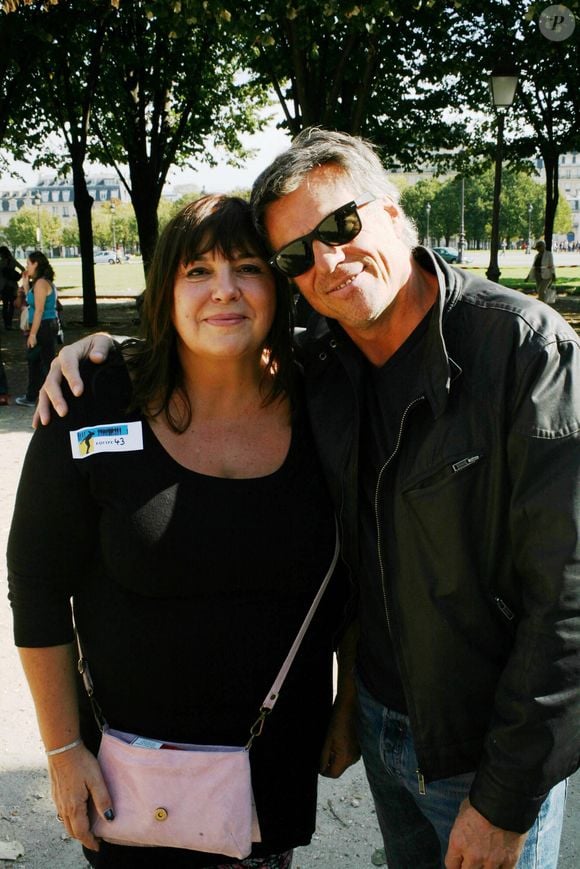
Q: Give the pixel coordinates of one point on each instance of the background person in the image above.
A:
(38, 284)
(10, 272)
(4, 400)
(191, 560)
(544, 273)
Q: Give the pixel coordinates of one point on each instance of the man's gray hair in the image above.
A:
(315, 147)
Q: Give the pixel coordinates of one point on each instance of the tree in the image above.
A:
(70, 235)
(545, 117)
(414, 201)
(563, 219)
(174, 83)
(19, 42)
(363, 68)
(20, 231)
(63, 81)
(520, 191)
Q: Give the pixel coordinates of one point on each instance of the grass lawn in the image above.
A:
(127, 279)
(120, 279)
(514, 277)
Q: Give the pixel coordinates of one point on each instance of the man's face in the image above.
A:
(355, 282)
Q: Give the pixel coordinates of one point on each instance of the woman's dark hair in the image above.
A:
(224, 224)
(43, 267)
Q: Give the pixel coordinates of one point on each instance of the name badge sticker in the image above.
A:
(120, 437)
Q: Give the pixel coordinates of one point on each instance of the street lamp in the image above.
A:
(529, 246)
(113, 229)
(428, 212)
(38, 202)
(461, 246)
(503, 83)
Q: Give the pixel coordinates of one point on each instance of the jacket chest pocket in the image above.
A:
(455, 470)
(446, 511)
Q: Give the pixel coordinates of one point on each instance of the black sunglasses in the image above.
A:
(337, 228)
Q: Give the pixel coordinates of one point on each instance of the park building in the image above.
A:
(56, 196)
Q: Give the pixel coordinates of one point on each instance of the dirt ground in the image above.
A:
(347, 834)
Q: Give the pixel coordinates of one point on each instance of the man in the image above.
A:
(446, 412)
(544, 273)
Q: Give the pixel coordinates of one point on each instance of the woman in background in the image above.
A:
(37, 281)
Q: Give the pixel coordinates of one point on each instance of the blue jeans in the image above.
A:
(416, 827)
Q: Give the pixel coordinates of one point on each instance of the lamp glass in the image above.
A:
(503, 89)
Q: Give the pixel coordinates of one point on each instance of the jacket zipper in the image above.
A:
(376, 504)
(420, 778)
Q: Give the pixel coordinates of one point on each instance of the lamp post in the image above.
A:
(461, 246)
(503, 84)
(427, 212)
(529, 245)
(113, 229)
(38, 201)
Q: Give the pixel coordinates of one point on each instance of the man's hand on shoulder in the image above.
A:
(475, 843)
(95, 347)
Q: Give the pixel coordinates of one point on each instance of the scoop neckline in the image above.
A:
(201, 475)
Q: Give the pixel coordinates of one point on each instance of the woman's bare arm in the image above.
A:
(75, 774)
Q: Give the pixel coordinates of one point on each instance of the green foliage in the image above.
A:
(22, 230)
(174, 84)
(414, 201)
(70, 235)
(563, 220)
(122, 218)
(519, 191)
(363, 68)
(168, 76)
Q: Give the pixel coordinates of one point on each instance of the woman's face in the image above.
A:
(31, 267)
(223, 307)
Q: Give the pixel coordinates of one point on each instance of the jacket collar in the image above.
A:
(439, 370)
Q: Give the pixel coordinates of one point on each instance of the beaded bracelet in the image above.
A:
(64, 748)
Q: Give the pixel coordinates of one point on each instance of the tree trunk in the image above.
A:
(552, 196)
(145, 198)
(83, 205)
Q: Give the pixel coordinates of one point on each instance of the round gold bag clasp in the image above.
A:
(160, 814)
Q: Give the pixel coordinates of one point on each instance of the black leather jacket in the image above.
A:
(484, 612)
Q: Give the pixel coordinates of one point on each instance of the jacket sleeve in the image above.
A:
(534, 738)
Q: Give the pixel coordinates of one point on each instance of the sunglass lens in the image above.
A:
(340, 227)
(295, 259)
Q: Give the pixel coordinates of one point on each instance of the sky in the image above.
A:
(221, 178)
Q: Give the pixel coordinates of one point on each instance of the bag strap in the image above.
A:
(274, 692)
(83, 668)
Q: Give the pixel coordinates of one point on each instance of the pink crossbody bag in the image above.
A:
(178, 795)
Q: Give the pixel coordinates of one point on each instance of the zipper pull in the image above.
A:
(504, 608)
(421, 780)
(464, 463)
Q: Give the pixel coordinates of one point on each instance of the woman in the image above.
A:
(40, 292)
(191, 560)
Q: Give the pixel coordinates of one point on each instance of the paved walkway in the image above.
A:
(347, 832)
